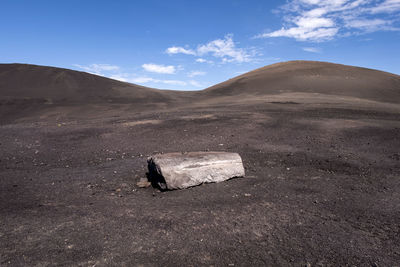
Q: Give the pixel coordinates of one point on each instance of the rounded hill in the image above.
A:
(313, 77)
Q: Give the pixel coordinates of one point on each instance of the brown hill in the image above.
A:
(313, 77)
(49, 84)
(22, 82)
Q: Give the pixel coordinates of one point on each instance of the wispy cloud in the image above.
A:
(388, 6)
(312, 49)
(322, 20)
(196, 73)
(141, 80)
(179, 50)
(118, 73)
(202, 60)
(159, 68)
(97, 69)
(370, 25)
(119, 77)
(144, 80)
(195, 83)
(225, 49)
(171, 82)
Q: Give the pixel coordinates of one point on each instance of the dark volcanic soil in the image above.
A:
(322, 183)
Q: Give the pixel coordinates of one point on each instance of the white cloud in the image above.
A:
(314, 22)
(370, 25)
(179, 50)
(303, 34)
(195, 83)
(312, 49)
(220, 48)
(173, 82)
(97, 68)
(388, 6)
(114, 72)
(119, 77)
(225, 49)
(144, 79)
(202, 60)
(317, 20)
(159, 68)
(196, 73)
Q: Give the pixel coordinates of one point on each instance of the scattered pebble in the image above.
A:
(143, 183)
(247, 195)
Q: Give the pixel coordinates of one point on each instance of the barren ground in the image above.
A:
(322, 185)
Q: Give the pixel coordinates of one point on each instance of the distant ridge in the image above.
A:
(50, 84)
(313, 77)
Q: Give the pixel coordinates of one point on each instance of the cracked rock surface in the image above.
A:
(183, 170)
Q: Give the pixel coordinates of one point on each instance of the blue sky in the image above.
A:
(190, 45)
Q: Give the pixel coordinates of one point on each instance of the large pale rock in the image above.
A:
(182, 170)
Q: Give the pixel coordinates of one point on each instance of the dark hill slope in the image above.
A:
(22, 82)
(312, 77)
(49, 84)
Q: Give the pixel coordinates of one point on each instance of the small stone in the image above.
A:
(143, 183)
(247, 195)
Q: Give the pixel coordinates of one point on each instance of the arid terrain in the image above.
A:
(320, 143)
